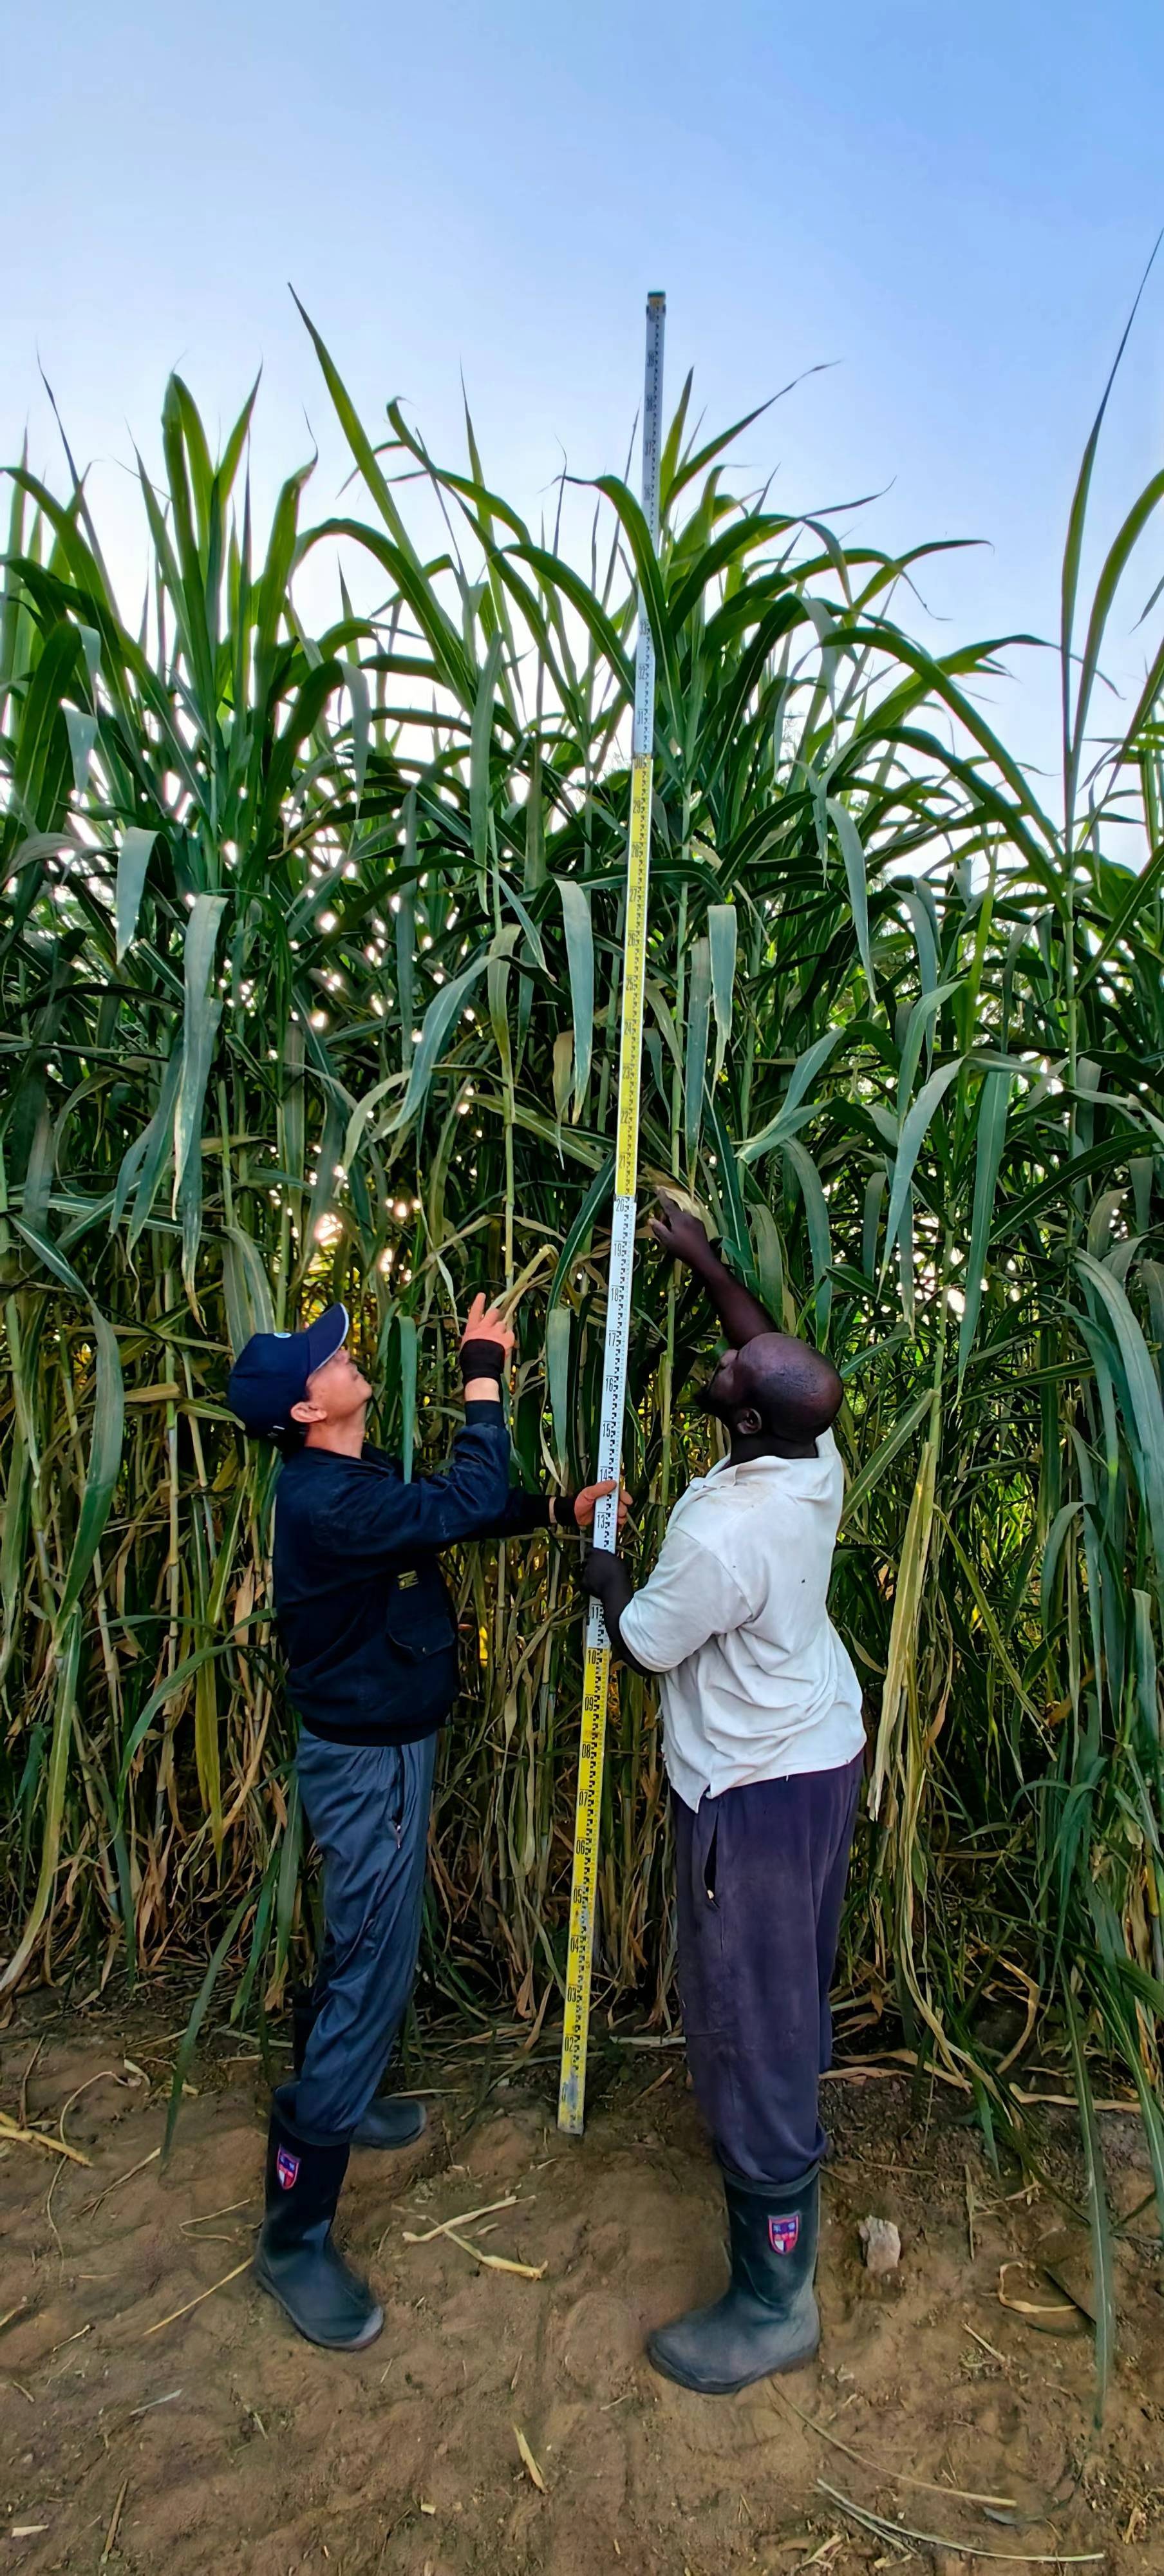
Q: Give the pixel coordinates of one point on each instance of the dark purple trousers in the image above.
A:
(761, 1881)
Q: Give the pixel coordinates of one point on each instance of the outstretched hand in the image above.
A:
(585, 1501)
(681, 1235)
(741, 1315)
(486, 1323)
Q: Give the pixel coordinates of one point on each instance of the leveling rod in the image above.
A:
(596, 1673)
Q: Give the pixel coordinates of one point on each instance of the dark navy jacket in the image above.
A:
(363, 1614)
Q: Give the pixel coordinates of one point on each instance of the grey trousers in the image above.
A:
(368, 1808)
(760, 1883)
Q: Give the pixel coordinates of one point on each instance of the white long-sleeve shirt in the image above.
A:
(754, 1681)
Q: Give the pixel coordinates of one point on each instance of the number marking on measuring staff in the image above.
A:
(596, 1669)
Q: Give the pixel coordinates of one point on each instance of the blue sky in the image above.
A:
(952, 206)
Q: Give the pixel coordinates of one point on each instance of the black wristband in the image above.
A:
(482, 1359)
(562, 1512)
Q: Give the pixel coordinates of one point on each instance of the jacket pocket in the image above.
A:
(418, 1622)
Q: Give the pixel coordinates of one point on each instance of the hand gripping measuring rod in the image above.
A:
(596, 1673)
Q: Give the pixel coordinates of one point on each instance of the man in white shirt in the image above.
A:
(763, 1744)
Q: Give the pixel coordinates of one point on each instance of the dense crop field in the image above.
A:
(309, 947)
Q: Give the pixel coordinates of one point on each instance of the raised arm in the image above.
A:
(381, 1517)
(741, 1314)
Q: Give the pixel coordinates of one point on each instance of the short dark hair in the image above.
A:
(796, 1391)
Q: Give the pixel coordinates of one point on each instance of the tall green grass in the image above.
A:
(310, 950)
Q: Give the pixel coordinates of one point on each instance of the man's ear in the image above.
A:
(305, 1412)
(747, 1422)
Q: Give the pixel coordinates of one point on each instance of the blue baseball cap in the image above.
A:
(271, 1373)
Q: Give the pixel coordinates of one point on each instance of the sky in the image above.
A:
(947, 209)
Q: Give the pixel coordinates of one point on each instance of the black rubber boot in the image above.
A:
(388, 2121)
(391, 2121)
(295, 2258)
(767, 2321)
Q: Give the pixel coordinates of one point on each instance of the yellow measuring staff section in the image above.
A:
(583, 1891)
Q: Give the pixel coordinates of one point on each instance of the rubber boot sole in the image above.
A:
(727, 2387)
(323, 2343)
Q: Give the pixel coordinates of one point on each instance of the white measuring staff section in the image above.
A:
(596, 1674)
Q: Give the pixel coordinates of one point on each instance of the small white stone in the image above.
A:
(880, 2244)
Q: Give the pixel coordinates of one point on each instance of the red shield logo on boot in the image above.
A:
(782, 2234)
(287, 2169)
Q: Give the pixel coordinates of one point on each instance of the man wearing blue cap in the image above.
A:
(371, 1643)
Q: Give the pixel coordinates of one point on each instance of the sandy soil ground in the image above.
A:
(136, 2438)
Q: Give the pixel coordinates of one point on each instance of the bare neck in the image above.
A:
(345, 1439)
(764, 1444)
